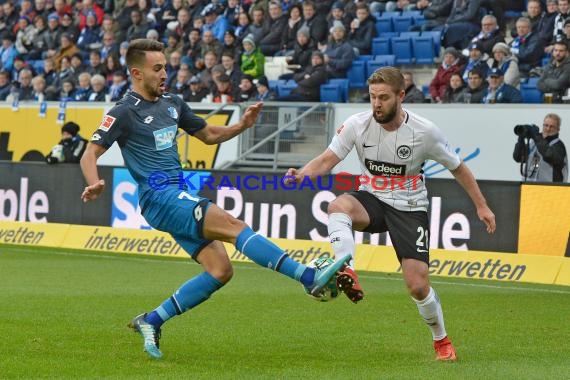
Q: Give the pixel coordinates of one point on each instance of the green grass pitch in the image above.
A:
(64, 314)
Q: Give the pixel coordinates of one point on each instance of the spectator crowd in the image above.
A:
(216, 50)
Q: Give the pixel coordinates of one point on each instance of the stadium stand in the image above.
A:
(418, 52)
(356, 74)
(331, 92)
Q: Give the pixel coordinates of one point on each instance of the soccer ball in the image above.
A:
(330, 290)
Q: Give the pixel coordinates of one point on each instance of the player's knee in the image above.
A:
(223, 273)
(418, 290)
(338, 205)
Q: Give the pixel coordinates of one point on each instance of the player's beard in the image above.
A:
(388, 115)
(153, 91)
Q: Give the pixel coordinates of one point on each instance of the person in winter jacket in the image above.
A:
(555, 78)
(450, 65)
(70, 148)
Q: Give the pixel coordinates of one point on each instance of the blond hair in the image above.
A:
(390, 75)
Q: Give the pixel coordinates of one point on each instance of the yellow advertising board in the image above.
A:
(460, 264)
(194, 153)
(33, 234)
(563, 277)
(30, 137)
(27, 136)
(544, 225)
(122, 240)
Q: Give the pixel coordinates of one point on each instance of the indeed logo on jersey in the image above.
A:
(384, 168)
(163, 138)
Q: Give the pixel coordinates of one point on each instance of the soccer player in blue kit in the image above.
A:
(144, 124)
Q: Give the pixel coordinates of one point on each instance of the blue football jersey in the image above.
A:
(146, 134)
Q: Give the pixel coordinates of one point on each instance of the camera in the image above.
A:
(526, 130)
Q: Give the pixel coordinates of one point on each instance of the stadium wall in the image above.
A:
(482, 134)
(37, 192)
(473, 265)
(27, 134)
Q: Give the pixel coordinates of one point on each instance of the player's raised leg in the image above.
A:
(342, 211)
(416, 278)
(218, 271)
(220, 225)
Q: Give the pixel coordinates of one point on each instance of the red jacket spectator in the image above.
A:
(89, 6)
(451, 64)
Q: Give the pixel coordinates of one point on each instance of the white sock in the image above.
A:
(340, 236)
(430, 310)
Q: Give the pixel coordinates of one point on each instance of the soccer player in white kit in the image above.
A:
(392, 145)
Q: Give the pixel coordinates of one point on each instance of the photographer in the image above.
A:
(70, 148)
(542, 156)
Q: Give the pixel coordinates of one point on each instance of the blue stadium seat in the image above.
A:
(412, 14)
(401, 23)
(436, 36)
(284, 89)
(390, 34)
(381, 46)
(402, 49)
(364, 58)
(344, 86)
(273, 83)
(530, 93)
(331, 93)
(532, 81)
(419, 20)
(387, 59)
(356, 74)
(425, 90)
(513, 14)
(372, 66)
(384, 25)
(423, 50)
(390, 14)
(409, 34)
(38, 66)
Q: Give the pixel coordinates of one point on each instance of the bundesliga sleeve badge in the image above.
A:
(107, 123)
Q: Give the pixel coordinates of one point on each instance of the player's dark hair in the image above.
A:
(390, 75)
(136, 52)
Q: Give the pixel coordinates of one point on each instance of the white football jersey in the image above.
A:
(392, 162)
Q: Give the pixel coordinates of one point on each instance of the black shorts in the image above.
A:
(409, 230)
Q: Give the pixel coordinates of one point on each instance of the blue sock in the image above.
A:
(191, 294)
(263, 252)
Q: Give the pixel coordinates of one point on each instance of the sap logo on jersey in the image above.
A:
(164, 137)
(384, 168)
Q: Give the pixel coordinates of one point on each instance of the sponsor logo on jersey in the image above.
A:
(403, 151)
(163, 138)
(384, 168)
(148, 119)
(107, 123)
(96, 137)
(339, 130)
(172, 112)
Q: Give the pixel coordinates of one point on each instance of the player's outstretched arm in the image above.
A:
(218, 134)
(88, 164)
(466, 179)
(320, 165)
